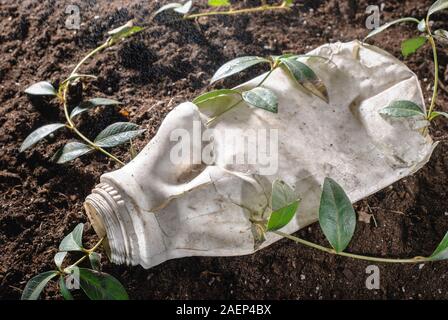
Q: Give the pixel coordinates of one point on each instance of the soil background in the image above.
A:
(171, 62)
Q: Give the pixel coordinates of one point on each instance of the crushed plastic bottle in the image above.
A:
(162, 206)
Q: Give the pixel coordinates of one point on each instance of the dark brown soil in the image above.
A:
(169, 63)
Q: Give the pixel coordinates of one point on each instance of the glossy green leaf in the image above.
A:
(441, 252)
(219, 3)
(281, 217)
(36, 284)
(337, 218)
(389, 24)
(42, 88)
(438, 6)
(117, 133)
(402, 108)
(306, 77)
(436, 114)
(261, 98)
(237, 65)
(101, 286)
(410, 46)
(66, 294)
(71, 151)
(284, 204)
(95, 102)
(73, 241)
(215, 94)
(59, 258)
(95, 261)
(39, 134)
(124, 31)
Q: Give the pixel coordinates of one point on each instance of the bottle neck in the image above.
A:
(107, 213)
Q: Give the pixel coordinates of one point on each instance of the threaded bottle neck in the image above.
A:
(107, 211)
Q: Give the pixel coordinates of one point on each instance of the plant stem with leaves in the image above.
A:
(184, 8)
(69, 120)
(337, 220)
(114, 135)
(405, 108)
(282, 6)
(259, 96)
(96, 285)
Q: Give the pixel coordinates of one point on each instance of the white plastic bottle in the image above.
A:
(158, 207)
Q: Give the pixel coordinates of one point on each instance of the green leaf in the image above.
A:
(281, 217)
(438, 6)
(261, 98)
(284, 204)
(282, 195)
(124, 31)
(306, 77)
(441, 252)
(95, 102)
(73, 241)
(101, 286)
(36, 284)
(66, 294)
(39, 134)
(436, 114)
(177, 7)
(95, 261)
(237, 65)
(402, 108)
(71, 151)
(215, 94)
(218, 3)
(389, 24)
(337, 218)
(117, 133)
(42, 88)
(59, 258)
(289, 2)
(410, 46)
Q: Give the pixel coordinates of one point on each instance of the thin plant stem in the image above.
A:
(70, 123)
(351, 255)
(87, 252)
(436, 69)
(282, 6)
(209, 122)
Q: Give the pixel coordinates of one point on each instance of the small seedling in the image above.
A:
(183, 8)
(337, 219)
(259, 96)
(404, 108)
(96, 285)
(112, 136)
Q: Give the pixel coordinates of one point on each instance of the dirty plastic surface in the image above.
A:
(153, 210)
